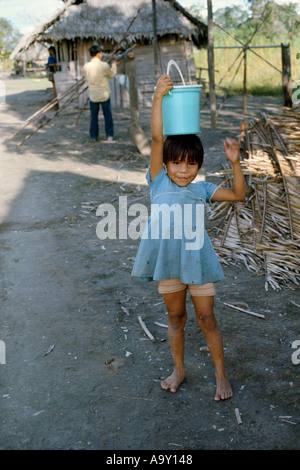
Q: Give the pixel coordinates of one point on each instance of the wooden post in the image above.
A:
(245, 81)
(24, 68)
(155, 38)
(133, 89)
(211, 65)
(286, 75)
(135, 130)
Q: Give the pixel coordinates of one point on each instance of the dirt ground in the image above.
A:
(79, 371)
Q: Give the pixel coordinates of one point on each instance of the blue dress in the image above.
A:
(175, 242)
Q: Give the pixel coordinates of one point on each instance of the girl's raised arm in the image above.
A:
(237, 193)
(164, 84)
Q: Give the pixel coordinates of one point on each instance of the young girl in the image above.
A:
(175, 262)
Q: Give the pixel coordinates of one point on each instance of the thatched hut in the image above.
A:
(80, 23)
(30, 60)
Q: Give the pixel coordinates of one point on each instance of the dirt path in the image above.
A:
(80, 373)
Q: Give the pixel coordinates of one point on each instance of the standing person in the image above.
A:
(51, 67)
(97, 74)
(177, 263)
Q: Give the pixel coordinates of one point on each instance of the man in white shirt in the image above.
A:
(97, 74)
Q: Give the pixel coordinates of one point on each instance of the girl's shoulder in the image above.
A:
(160, 178)
(204, 189)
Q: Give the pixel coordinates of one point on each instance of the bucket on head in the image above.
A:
(181, 108)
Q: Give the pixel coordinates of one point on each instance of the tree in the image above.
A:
(257, 7)
(235, 20)
(231, 18)
(9, 38)
(290, 18)
(283, 21)
(281, 25)
(198, 11)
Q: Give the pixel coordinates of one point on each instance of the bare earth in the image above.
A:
(80, 372)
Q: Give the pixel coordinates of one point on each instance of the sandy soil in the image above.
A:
(80, 373)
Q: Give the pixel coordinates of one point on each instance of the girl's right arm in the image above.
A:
(164, 84)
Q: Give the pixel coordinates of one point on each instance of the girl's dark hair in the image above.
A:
(178, 147)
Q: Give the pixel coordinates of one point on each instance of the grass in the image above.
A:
(262, 79)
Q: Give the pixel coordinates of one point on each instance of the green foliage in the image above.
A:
(281, 26)
(9, 38)
(235, 20)
(198, 12)
(282, 23)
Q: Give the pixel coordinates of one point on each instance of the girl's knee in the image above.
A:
(206, 320)
(175, 304)
(177, 318)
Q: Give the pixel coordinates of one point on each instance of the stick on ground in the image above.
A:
(246, 311)
(150, 336)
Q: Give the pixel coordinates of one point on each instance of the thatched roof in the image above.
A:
(36, 52)
(108, 19)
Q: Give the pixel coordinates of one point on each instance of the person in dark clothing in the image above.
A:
(51, 67)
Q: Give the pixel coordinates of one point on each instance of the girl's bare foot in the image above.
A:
(174, 380)
(224, 390)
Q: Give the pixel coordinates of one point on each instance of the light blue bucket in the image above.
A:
(181, 108)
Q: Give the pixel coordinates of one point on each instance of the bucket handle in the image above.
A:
(172, 62)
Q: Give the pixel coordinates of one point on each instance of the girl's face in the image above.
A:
(182, 172)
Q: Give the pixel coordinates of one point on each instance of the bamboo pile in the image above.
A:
(263, 232)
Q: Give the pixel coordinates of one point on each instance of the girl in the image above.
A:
(177, 263)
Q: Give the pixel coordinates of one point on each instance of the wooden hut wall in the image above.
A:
(83, 56)
(180, 51)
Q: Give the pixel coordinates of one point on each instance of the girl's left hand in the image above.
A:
(232, 149)
(163, 86)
